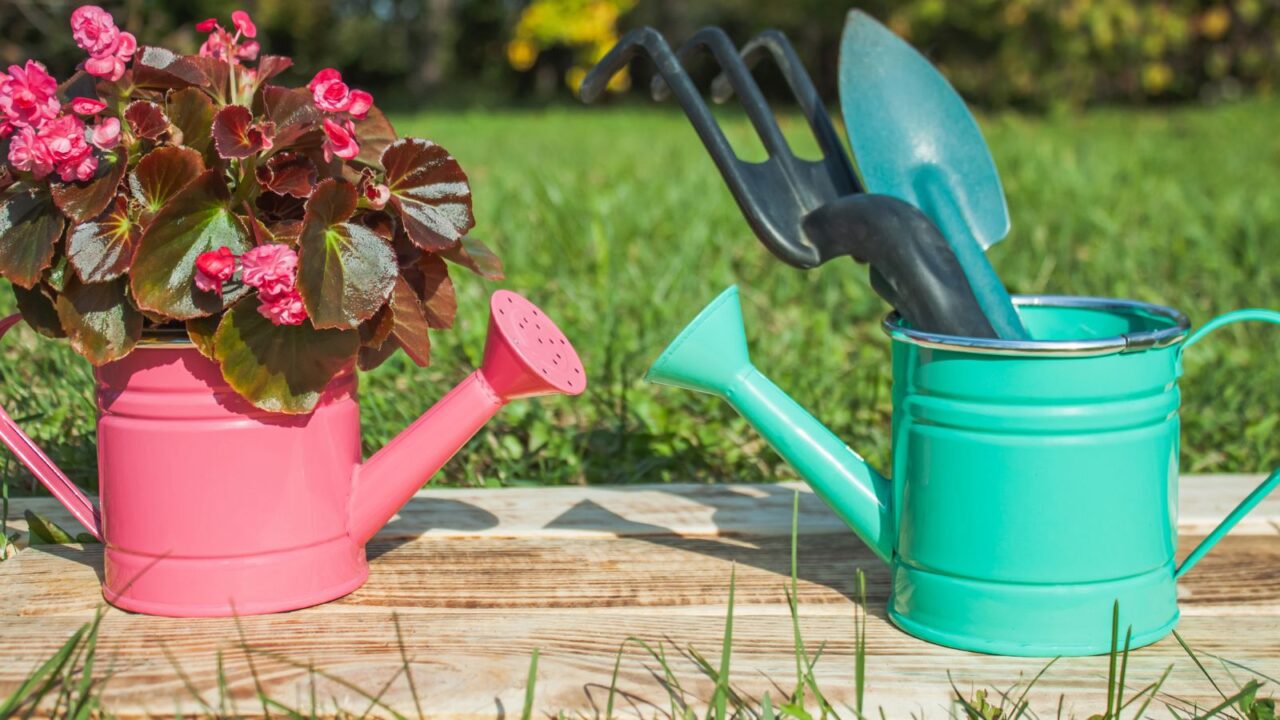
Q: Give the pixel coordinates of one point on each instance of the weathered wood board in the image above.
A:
(479, 579)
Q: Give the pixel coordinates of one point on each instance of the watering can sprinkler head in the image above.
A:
(710, 355)
(525, 355)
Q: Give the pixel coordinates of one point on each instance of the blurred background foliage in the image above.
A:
(1031, 54)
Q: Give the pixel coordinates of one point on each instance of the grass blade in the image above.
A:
(530, 686)
(1155, 690)
(1190, 653)
(408, 671)
(31, 691)
(721, 697)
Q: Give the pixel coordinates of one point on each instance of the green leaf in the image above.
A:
(288, 173)
(430, 191)
(156, 67)
(270, 66)
(409, 323)
(371, 358)
(162, 173)
(84, 201)
(280, 368)
(197, 220)
(99, 319)
(431, 280)
(29, 228)
(375, 331)
(235, 135)
(192, 112)
(146, 119)
(374, 133)
(345, 270)
(293, 112)
(476, 257)
(202, 332)
(36, 306)
(45, 530)
(103, 250)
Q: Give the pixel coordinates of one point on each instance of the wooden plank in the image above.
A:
(686, 509)
(473, 610)
(479, 579)
(1242, 576)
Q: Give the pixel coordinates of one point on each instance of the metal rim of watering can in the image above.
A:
(161, 338)
(1130, 342)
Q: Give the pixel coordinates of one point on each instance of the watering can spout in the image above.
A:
(710, 355)
(525, 355)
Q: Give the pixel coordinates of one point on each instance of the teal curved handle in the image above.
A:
(1255, 497)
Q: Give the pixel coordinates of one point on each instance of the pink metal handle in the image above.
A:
(54, 480)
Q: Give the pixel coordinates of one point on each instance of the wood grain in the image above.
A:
(477, 588)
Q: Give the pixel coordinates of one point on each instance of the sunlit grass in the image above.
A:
(617, 223)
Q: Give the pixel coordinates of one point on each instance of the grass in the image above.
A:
(67, 684)
(616, 221)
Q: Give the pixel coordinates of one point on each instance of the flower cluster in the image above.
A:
(343, 106)
(270, 269)
(109, 49)
(192, 192)
(223, 45)
(45, 140)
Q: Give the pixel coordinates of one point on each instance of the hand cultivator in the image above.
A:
(808, 212)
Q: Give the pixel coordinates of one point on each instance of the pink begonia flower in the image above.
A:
(324, 75)
(72, 155)
(340, 140)
(28, 152)
(94, 30)
(87, 106)
(28, 96)
(111, 67)
(6, 128)
(284, 308)
(207, 26)
(106, 134)
(361, 102)
(248, 51)
(213, 268)
(215, 46)
(377, 194)
(329, 93)
(109, 49)
(272, 269)
(241, 20)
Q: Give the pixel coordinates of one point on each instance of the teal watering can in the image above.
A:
(1034, 481)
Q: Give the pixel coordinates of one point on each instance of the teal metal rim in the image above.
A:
(1010, 648)
(893, 325)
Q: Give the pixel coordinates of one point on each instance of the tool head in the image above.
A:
(912, 264)
(526, 354)
(710, 352)
(913, 136)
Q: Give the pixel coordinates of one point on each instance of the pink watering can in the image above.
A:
(212, 507)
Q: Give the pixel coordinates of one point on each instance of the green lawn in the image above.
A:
(616, 222)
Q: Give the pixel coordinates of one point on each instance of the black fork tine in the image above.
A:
(731, 66)
(776, 45)
(649, 42)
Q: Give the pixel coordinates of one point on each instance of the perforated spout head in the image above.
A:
(525, 354)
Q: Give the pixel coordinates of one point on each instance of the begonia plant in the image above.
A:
(288, 231)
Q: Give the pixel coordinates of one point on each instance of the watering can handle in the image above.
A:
(1255, 497)
(57, 483)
